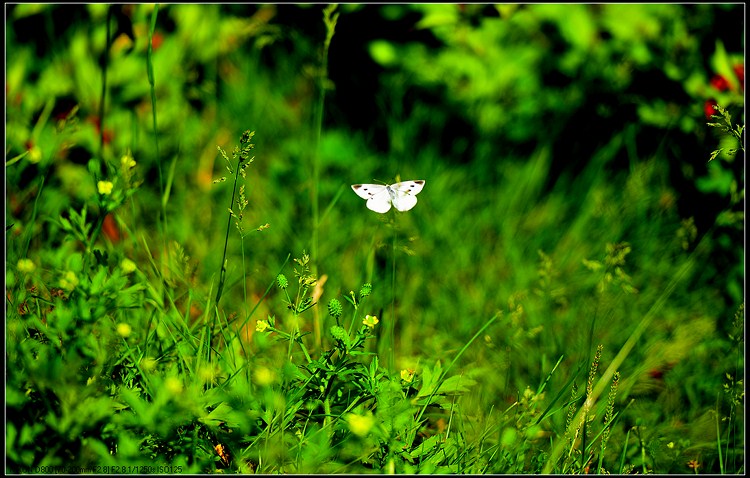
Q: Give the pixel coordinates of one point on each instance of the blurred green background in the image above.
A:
(565, 150)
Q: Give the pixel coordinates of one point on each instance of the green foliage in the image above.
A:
(725, 124)
(504, 71)
(566, 297)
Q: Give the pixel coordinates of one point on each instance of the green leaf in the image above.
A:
(65, 224)
(383, 52)
(719, 180)
(455, 384)
(223, 414)
(722, 65)
(438, 15)
(428, 446)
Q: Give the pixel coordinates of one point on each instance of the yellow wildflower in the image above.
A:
(407, 375)
(35, 154)
(174, 385)
(26, 265)
(148, 364)
(370, 321)
(69, 281)
(360, 425)
(127, 160)
(263, 376)
(105, 187)
(124, 330)
(128, 266)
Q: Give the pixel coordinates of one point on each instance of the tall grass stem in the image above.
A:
(392, 322)
(330, 22)
(103, 101)
(152, 85)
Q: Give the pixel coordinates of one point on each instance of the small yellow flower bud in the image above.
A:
(105, 187)
(174, 385)
(128, 266)
(69, 281)
(263, 376)
(124, 330)
(35, 154)
(148, 364)
(127, 160)
(207, 374)
(26, 265)
(360, 425)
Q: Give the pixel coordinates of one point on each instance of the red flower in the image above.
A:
(108, 133)
(739, 70)
(656, 374)
(156, 40)
(110, 229)
(720, 83)
(708, 108)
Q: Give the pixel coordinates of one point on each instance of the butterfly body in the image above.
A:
(380, 197)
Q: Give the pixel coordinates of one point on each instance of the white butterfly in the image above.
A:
(379, 197)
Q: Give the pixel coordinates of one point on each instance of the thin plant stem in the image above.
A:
(624, 452)
(223, 271)
(151, 82)
(104, 83)
(244, 273)
(718, 434)
(330, 21)
(30, 228)
(392, 325)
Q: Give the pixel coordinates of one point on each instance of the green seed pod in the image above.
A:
(339, 333)
(281, 281)
(334, 308)
(365, 291)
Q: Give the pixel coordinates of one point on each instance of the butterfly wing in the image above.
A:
(404, 194)
(404, 203)
(381, 203)
(409, 187)
(366, 191)
(378, 197)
